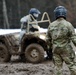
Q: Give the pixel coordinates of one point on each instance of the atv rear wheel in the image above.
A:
(4, 53)
(34, 53)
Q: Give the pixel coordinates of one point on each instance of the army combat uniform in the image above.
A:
(59, 36)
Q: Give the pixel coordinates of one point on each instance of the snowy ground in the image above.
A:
(9, 31)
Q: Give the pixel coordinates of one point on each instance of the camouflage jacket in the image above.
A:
(60, 33)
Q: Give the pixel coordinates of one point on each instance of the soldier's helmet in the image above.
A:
(60, 11)
(35, 12)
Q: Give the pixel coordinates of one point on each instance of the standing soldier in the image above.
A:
(59, 36)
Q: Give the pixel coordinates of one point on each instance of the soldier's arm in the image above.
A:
(72, 34)
(48, 37)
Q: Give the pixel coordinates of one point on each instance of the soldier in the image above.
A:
(59, 36)
(33, 13)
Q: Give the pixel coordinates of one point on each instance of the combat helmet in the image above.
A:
(35, 12)
(60, 11)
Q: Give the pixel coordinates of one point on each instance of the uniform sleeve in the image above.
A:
(72, 34)
(24, 19)
(48, 37)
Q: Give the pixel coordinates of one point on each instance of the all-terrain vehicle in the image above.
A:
(33, 44)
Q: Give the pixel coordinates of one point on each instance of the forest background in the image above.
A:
(11, 11)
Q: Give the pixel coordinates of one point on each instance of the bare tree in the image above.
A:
(19, 11)
(6, 23)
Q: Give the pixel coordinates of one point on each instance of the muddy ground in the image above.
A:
(15, 67)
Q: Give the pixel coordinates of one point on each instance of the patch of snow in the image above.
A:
(42, 30)
(9, 31)
(75, 52)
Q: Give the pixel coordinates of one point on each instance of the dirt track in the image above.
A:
(19, 68)
(15, 67)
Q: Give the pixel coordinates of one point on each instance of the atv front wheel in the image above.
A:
(34, 53)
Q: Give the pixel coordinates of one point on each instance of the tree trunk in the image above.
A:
(19, 11)
(6, 23)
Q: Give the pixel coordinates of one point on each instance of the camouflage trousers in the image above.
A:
(66, 55)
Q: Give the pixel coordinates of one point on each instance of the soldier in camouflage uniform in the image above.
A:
(59, 36)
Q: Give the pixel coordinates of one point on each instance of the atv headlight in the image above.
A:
(42, 37)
